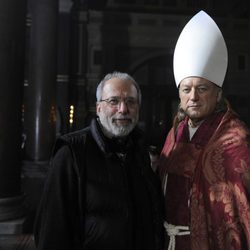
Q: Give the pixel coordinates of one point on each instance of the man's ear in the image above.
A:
(219, 95)
(97, 108)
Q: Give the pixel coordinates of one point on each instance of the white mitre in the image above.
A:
(201, 51)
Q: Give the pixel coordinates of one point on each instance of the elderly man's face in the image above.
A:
(198, 97)
(119, 109)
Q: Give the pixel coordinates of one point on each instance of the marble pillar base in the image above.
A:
(35, 169)
(12, 227)
(11, 208)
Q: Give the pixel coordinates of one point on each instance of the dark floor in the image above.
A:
(17, 242)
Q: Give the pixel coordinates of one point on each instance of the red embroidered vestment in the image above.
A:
(208, 182)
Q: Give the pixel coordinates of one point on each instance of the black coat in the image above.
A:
(96, 198)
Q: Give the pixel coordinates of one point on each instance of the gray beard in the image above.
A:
(111, 130)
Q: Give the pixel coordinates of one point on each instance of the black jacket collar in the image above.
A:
(110, 146)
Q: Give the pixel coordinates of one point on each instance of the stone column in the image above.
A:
(40, 109)
(40, 104)
(12, 46)
(78, 63)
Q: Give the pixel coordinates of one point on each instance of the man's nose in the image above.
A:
(123, 108)
(194, 95)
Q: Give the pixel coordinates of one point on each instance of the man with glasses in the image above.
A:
(101, 192)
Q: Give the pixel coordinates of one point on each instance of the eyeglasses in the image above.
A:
(115, 102)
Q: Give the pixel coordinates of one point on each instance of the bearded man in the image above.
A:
(101, 192)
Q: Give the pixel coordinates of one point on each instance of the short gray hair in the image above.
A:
(119, 75)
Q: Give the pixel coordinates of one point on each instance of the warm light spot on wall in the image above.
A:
(71, 114)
